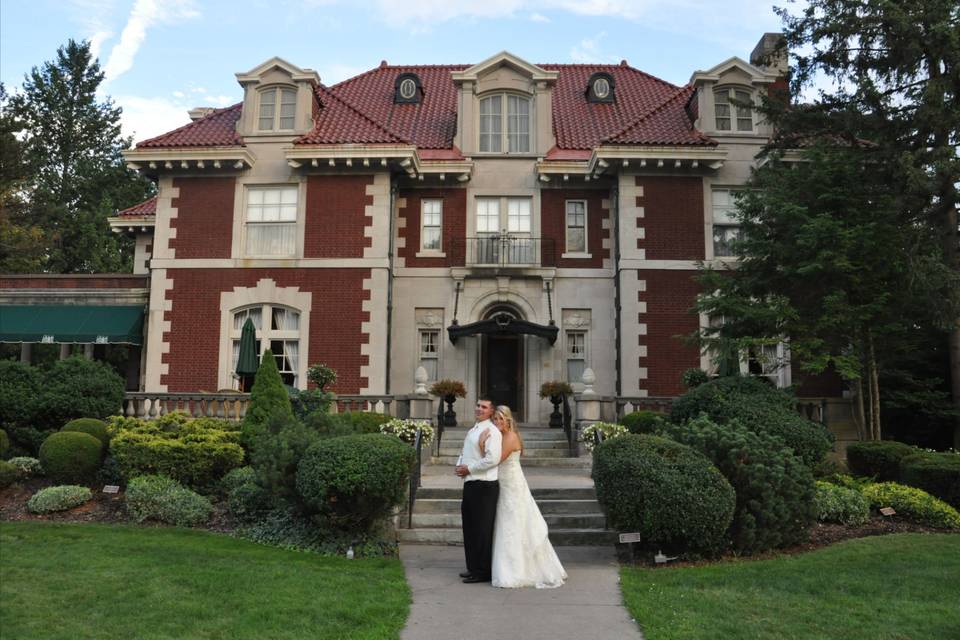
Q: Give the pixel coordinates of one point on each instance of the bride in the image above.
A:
(522, 553)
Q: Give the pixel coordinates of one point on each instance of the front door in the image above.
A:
(502, 371)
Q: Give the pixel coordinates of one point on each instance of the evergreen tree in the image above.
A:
(269, 401)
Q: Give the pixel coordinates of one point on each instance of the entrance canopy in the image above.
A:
(502, 323)
(67, 324)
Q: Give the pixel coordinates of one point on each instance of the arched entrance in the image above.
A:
(502, 364)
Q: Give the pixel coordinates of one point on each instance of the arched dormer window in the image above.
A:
(278, 109)
(515, 136)
(407, 89)
(601, 88)
(733, 109)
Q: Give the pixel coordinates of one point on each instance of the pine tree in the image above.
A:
(268, 399)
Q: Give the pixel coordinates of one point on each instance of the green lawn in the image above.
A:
(98, 581)
(890, 587)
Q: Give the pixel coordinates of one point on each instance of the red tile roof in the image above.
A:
(145, 208)
(667, 123)
(337, 122)
(219, 129)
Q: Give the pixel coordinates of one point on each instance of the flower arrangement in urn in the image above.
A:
(555, 390)
(449, 390)
(406, 430)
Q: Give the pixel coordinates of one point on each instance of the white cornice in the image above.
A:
(216, 158)
(296, 73)
(536, 74)
(714, 74)
(382, 157)
(131, 223)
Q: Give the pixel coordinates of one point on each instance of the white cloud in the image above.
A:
(179, 94)
(589, 51)
(538, 17)
(145, 14)
(96, 42)
(145, 118)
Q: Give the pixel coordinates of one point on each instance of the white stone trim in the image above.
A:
(379, 213)
(157, 325)
(400, 242)
(606, 223)
(271, 263)
(166, 212)
(375, 330)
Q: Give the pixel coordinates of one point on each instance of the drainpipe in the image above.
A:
(393, 200)
(615, 214)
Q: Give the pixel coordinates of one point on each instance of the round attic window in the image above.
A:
(601, 88)
(408, 88)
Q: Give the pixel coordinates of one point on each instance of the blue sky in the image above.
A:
(163, 57)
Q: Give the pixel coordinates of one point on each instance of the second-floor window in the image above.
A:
(733, 111)
(271, 223)
(431, 224)
(515, 137)
(576, 226)
(726, 227)
(278, 109)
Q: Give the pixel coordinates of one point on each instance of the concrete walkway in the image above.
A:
(589, 606)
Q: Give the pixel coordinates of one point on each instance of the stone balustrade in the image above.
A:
(149, 406)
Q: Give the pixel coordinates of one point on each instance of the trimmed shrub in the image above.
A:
(26, 467)
(694, 378)
(237, 477)
(364, 421)
(78, 388)
(669, 493)
(268, 397)
(71, 456)
(96, 428)
(913, 504)
(841, 505)
(28, 439)
(880, 460)
(649, 422)
(355, 481)
(20, 388)
(196, 452)
(588, 435)
(303, 403)
(246, 499)
(275, 454)
(154, 497)
(348, 423)
(58, 498)
(936, 473)
(775, 490)
(761, 408)
(4, 443)
(9, 474)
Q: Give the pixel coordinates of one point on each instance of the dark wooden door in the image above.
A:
(503, 371)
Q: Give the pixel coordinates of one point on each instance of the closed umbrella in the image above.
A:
(247, 361)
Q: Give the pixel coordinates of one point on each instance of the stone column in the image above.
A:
(26, 352)
(64, 351)
(88, 351)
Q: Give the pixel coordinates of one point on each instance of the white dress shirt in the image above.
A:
(481, 466)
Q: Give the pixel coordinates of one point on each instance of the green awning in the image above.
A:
(71, 324)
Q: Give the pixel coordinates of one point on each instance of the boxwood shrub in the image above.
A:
(840, 504)
(92, 426)
(761, 408)
(643, 422)
(913, 504)
(27, 467)
(936, 473)
(58, 498)
(71, 456)
(20, 388)
(155, 497)
(355, 481)
(669, 493)
(775, 490)
(880, 459)
(78, 388)
(9, 474)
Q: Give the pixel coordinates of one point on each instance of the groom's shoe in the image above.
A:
(465, 574)
(471, 579)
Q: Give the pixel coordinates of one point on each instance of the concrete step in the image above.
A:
(543, 452)
(459, 434)
(452, 506)
(583, 462)
(528, 445)
(563, 493)
(559, 537)
(554, 520)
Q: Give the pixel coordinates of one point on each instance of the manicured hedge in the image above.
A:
(913, 504)
(936, 473)
(20, 388)
(9, 474)
(154, 497)
(643, 422)
(840, 504)
(880, 459)
(58, 498)
(668, 492)
(71, 456)
(78, 388)
(92, 426)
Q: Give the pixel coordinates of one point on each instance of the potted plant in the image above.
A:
(449, 391)
(555, 390)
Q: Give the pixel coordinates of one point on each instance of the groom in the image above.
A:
(478, 509)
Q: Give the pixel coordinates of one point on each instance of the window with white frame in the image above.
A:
(733, 109)
(430, 352)
(726, 227)
(271, 223)
(431, 224)
(576, 355)
(278, 109)
(277, 329)
(515, 137)
(511, 215)
(577, 226)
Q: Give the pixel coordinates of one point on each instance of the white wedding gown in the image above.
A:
(522, 553)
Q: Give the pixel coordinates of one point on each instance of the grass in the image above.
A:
(78, 581)
(895, 587)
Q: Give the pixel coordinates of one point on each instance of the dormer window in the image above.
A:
(733, 109)
(278, 109)
(600, 88)
(515, 137)
(407, 89)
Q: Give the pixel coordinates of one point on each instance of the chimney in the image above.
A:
(772, 56)
(200, 112)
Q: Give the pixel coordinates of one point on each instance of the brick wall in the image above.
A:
(336, 216)
(335, 319)
(74, 281)
(673, 219)
(204, 220)
(454, 227)
(553, 214)
(669, 297)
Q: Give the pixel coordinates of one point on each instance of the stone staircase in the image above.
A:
(542, 448)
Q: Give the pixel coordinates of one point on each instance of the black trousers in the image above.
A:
(478, 510)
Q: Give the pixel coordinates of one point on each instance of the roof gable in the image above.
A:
(505, 58)
(730, 64)
(296, 73)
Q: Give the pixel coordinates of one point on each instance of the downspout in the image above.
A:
(393, 200)
(615, 214)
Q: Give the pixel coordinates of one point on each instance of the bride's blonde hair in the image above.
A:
(508, 420)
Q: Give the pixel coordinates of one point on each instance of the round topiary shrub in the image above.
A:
(354, 481)
(26, 467)
(840, 504)
(775, 490)
(9, 474)
(92, 426)
(936, 473)
(761, 408)
(58, 498)
(880, 459)
(154, 497)
(916, 505)
(643, 422)
(672, 495)
(71, 456)
(78, 388)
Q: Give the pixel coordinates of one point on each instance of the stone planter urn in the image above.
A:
(449, 416)
(448, 391)
(556, 418)
(555, 390)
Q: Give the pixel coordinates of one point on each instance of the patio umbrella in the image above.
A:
(247, 361)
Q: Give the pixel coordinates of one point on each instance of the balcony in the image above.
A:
(504, 251)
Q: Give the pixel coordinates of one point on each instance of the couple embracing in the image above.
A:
(504, 536)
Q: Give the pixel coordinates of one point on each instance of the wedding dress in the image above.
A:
(522, 553)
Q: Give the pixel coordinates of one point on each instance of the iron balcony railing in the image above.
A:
(504, 250)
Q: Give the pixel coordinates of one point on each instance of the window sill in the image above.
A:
(431, 254)
(269, 257)
(576, 256)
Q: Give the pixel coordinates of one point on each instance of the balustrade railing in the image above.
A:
(368, 403)
(414, 477)
(629, 404)
(504, 250)
(568, 428)
(229, 406)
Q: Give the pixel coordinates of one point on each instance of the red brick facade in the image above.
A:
(553, 214)
(204, 220)
(335, 322)
(669, 296)
(454, 227)
(673, 217)
(336, 216)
